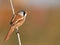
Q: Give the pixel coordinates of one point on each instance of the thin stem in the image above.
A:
(12, 7)
(18, 36)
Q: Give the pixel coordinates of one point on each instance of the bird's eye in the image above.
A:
(24, 13)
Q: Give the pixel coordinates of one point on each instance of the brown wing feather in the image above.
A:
(15, 19)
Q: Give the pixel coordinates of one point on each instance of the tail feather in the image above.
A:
(9, 33)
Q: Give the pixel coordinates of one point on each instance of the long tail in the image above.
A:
(9, 33)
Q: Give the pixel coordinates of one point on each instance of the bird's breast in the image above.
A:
(20, 22)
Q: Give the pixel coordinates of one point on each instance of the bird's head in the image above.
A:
(22, 13)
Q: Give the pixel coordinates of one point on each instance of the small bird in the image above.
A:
(16, 21)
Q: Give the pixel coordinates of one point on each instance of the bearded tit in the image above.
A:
(17, 20)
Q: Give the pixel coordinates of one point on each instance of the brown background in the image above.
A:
(42, 25)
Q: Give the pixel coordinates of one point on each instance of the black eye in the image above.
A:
(23, 13)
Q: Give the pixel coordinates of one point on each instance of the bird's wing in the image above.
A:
(12, 19)
(16, 19)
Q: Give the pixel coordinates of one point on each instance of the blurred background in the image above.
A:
(42, 25)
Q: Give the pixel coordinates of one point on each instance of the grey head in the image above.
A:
(22, 13)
